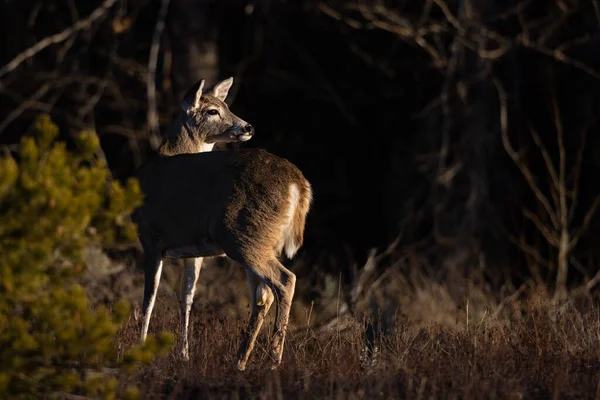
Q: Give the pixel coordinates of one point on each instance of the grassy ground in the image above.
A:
(531, 350)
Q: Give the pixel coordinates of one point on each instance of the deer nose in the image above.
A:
(248, 129)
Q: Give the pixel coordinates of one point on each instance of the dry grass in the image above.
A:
(432, 339)
(534, 350)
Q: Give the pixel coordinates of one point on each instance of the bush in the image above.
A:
(53, 203)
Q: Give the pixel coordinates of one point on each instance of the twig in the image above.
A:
(93, 101)
(577, 172)
(586, 222)
(24, 106)
(509, 12)
(33, 102)
(153, 125)
(562, 58)
(516, 156)
(597, 11)
(449, 16)
(528, 250)
(510, 299)
(561, 184)
(542, 228)
(57, 38)
(547, 159)
(592, 282)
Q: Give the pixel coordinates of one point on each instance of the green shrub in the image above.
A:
(53, 203)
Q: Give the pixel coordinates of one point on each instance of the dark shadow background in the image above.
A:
(393, 143)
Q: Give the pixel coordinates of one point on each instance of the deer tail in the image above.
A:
(300, 200)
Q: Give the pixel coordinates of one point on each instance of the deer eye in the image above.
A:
(212, 111)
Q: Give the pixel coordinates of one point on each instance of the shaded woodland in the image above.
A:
(453, 147)
(465, 128)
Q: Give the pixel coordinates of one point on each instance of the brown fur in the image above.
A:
(258, 209)
(179, 141)
(235, 200)
(237, 203)
(195, 127)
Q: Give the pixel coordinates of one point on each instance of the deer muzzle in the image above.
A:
(244, 133)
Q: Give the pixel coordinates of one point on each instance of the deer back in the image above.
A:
(217, 197)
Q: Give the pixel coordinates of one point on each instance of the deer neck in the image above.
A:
(180, 140)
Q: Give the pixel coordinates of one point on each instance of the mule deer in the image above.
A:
(249, 205)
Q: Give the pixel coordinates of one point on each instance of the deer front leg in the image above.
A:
(152, 271)
(262, 298)
(188, 288)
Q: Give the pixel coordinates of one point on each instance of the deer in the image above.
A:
(248, 205)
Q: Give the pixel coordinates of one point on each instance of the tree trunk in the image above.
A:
(193, 29)
(563, 267)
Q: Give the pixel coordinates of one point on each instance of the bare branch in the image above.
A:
(336, 15)
(592, 282)
(128, 65)
(560, 57)
(562, 181)
(426, 12)
(57, 38)
(577, 172)
(511, 298)
(516, 157)
(586, 222)
(597, 11)
(93, 100)
(475, 37)
(33, 102)
(528, 249)
(103, 84)
(544, 230)
(552, 27)
(576, 42)
(514, 10)
(153, 124)
(448, 14)
(24, 106)
(404, 32)
(554, 179)
(35, 11)
(484, 53)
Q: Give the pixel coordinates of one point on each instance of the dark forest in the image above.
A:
(451, 146)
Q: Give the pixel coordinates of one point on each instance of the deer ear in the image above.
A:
(198, 94)
(221, 89)
(192, 97)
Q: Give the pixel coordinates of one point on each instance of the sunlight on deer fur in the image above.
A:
(257, 205)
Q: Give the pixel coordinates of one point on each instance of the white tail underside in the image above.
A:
(290, 245)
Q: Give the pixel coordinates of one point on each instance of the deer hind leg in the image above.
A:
(283, 283)
(152, 271)
(188, 288)
(262, 298)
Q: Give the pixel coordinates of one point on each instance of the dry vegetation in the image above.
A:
(425, 343)
(483, 152)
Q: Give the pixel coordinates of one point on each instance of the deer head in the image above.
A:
(204, 120)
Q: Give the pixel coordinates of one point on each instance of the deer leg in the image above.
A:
(283, 284)
(152, 271)
(262, 298)
(188, 288)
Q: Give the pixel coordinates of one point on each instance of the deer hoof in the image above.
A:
(185, 355)
(241, 366)
(275, 365)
